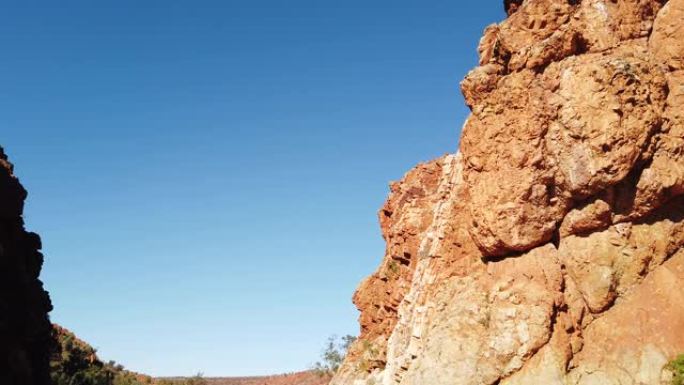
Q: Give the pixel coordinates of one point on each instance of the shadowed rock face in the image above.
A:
(511, 6)
(548, 250)
(24, 305)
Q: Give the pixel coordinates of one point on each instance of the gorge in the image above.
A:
(546, 250)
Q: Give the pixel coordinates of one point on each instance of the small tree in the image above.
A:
(333, 354)
(196, 380)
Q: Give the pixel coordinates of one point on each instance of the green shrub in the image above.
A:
(677, 368)
(369, 357)
(392, 269)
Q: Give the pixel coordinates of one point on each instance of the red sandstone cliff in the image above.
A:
(548, 250)
(24, 325)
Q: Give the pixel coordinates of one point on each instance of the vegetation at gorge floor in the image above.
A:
(75, 362)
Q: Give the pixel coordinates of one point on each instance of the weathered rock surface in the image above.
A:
(548, 250)
(24, 325)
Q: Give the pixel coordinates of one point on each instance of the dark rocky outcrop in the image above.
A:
(24, 304)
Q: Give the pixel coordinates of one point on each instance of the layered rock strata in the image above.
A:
(25, 330)
(548, 250)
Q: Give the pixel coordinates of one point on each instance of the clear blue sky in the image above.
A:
(205, 175)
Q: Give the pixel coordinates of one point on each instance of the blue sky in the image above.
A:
(205, 175)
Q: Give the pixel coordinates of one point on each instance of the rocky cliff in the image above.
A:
(548, 250)
(24, 325)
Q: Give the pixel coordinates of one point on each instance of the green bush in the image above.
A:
(677, 368)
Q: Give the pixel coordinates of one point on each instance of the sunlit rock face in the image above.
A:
(24, 305)
(548, 249)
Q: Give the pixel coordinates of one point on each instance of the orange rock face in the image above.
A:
(548, 250)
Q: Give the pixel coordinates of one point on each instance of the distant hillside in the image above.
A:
(74, 362)
(304, 378)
